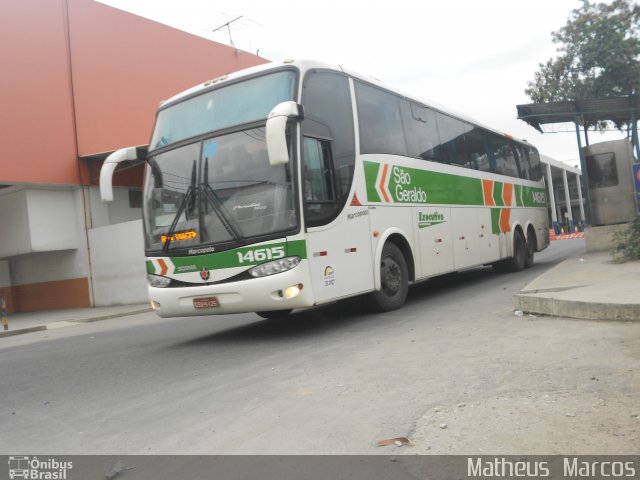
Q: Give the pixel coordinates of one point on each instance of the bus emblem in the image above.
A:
(204, 274)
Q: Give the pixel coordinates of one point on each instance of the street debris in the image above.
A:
(443, 426)
(397, 441)
(518, 313)
(117, 470)
(462, 405)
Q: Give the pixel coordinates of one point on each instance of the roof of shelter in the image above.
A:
(615, 109)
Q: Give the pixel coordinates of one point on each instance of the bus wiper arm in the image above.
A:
(217, 204)
(188, 201)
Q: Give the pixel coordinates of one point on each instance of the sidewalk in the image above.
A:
(590, 287)
(25, 322)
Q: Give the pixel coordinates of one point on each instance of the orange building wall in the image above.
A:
(124, 66)
(36, 115)
(119, 67)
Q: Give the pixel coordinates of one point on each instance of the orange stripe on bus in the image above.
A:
(385, 169)
(487, 189)
(505, 215)
(163, 266)
(507, 194)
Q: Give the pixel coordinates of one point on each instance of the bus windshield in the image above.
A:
(235, 104)
(218, 191)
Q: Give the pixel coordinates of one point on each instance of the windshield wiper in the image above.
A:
(219, 208)
(187, 205)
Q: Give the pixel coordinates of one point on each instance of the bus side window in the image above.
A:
(452, 148)
(328, 150)
(536, 166)
(318, 175)
(477, 149)
(379, 118)
(421, 130)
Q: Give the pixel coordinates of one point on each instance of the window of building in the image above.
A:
(602, 170)
(135, 198)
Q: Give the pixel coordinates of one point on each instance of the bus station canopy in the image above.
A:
(586, 112)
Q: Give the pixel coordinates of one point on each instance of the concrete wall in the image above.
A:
(117, 211)
(15, 238)
(40, 220)
(600, 238)
(118, 264)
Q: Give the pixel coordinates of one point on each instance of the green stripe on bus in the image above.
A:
(497, 194)
(416, 186)
(518, 194)
(370, 177)
(495, 220)
(237, 257)
(412, 185)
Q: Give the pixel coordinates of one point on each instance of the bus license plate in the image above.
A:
(207, 302)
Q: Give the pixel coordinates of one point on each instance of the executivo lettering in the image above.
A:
(429, 219)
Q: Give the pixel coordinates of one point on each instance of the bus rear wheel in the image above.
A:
(272, 314)
(531, 248)
(519, 259)
(394, 279)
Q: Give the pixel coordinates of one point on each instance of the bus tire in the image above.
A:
(531, 248)
(273, 314)
(517, 262)
(394, 279)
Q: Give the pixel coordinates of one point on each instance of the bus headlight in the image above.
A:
(157, 281)
(277, 266)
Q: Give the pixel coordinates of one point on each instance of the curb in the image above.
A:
(576, 309)
(20, 331)
(113, 315)
(69, 323)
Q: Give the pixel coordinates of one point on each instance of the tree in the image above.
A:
(598, 55)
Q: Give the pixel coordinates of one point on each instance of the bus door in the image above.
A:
(340, 256)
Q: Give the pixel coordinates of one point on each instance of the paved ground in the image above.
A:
(455, 371)
(587, 286)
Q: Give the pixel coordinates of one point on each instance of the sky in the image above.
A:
(473, 57)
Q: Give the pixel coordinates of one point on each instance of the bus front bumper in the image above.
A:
(282, 291)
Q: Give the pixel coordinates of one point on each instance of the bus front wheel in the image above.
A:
(394, 279)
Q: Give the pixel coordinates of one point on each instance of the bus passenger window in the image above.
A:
(381, 129)
(476, 142)
(421, 130)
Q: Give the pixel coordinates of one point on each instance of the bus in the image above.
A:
(296, 184)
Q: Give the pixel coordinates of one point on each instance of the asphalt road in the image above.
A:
(327, 381)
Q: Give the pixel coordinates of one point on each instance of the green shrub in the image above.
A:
(626, 242)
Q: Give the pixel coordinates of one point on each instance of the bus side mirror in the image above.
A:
(276, 131)
(109, 166)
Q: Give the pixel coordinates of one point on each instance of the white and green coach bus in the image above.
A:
(296, 184)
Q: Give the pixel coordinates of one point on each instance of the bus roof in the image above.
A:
(304, 65)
